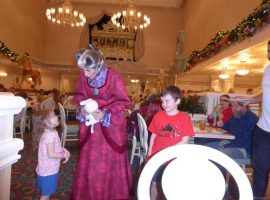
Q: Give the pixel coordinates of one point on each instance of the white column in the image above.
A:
(216, 83)
(9, 146)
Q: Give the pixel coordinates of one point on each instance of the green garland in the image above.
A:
(6, 52)
(258, 19)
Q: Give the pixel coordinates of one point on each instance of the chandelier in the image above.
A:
(224, 75)
(66, 15)
(242, 71)
(130, 18)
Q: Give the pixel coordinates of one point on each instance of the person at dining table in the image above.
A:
(224, 110)
(241, 125)
(220, 115)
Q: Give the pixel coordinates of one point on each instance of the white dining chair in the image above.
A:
(136, 148)
(139, 148)
(191, 174)
(143, 137)
(47, 104)
(70, 128)
(19, 125)
(70, 107)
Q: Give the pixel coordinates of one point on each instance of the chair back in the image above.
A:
(191, 174)
(67, 104)
(70, 107)
(143, 136)
(63, 121)
(48, 104)
(20, 123)
(69, 130)
(23, 120)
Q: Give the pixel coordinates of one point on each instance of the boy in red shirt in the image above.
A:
(169, 127)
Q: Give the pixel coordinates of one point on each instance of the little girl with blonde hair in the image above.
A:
(50, 154)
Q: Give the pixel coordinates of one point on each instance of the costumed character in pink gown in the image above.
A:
(103, 170)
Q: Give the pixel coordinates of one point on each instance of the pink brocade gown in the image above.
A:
(103, 170)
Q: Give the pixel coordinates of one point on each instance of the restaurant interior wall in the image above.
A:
(193, 82)
(50, 78)
(23, 26)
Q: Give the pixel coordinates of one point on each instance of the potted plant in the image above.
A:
(191, 104)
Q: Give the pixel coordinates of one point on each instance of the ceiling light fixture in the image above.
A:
(65, 15)
(243, 71)
(224, 74)
(130, 18)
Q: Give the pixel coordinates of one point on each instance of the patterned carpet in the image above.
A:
(23, 178)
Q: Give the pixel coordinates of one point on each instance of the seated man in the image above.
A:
(241, 126)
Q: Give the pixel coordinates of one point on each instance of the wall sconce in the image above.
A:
(134, 81)
(3, 74)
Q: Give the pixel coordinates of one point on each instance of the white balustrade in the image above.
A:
(211, 99)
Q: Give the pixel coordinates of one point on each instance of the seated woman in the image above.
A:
(153, 108)
(218, 119)
(223, 111)
(215, 116)
(145, 104)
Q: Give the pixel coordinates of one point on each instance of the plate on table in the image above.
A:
(217, 130)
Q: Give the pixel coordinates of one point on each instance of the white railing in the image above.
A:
(211, 99)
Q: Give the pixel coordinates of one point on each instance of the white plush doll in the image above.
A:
(90, 105)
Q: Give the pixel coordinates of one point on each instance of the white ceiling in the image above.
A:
(150, 3)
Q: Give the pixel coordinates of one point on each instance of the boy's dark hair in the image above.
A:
(174, 91)
(268, 42)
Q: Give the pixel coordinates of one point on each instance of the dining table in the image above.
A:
(211, 133)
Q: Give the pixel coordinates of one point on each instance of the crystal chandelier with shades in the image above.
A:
(243, 71)
(131, 18)
(66, 15)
